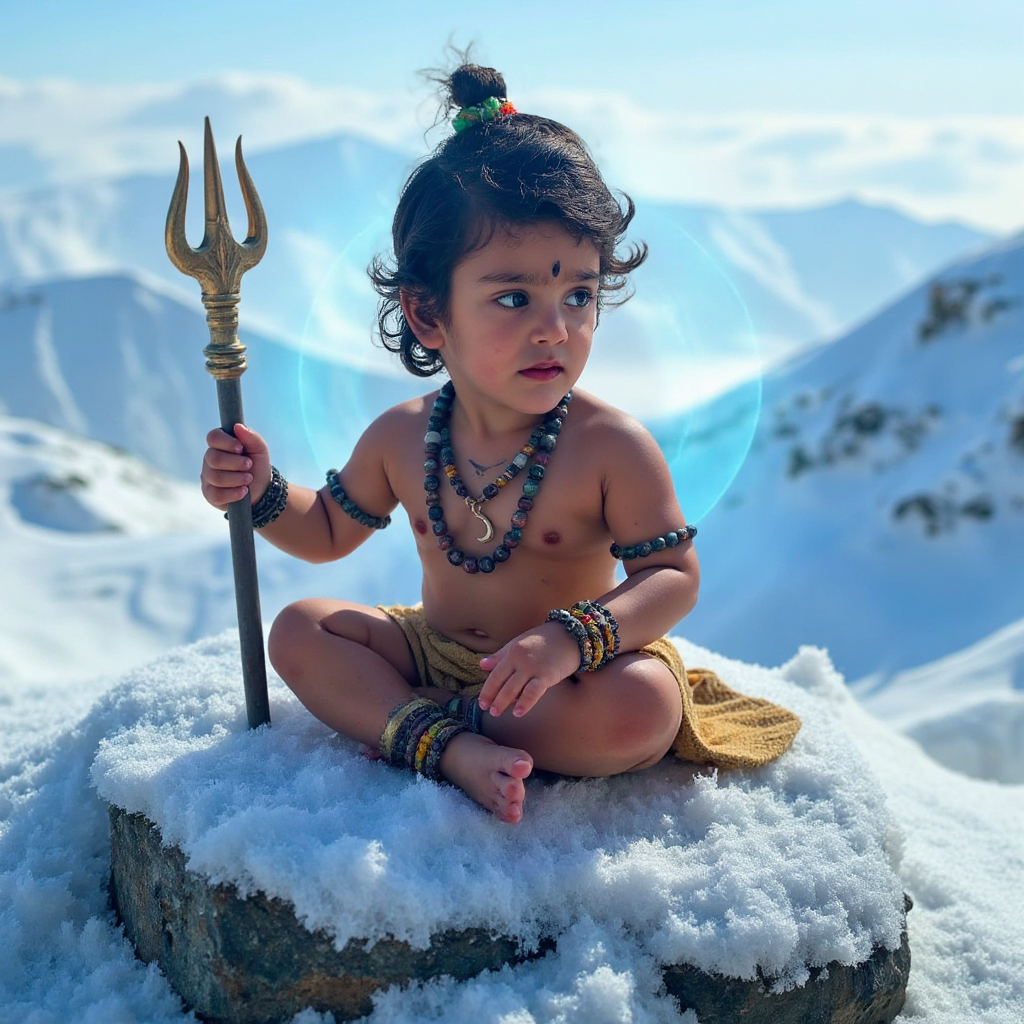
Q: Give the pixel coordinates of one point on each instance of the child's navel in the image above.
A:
(421, 527)
(552, 537)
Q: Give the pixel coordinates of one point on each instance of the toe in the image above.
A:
(517, 764)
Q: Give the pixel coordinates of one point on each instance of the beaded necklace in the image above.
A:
(439, 452)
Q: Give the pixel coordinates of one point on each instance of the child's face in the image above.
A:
(521, 316)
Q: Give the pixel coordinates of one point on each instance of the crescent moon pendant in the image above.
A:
(474, 507)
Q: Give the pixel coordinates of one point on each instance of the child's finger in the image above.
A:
(508, 694)
(234, 462)
(253, 442)
(218, 478)
(221, 440)
(221, 497)
(532, 692)
(494, 681)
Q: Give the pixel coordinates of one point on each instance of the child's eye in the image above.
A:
(580, 298)
(514, 300)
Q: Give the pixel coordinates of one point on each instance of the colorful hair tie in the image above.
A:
(488, 110)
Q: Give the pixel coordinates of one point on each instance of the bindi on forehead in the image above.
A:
(556, 269)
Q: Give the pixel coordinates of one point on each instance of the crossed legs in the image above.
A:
(350, 665)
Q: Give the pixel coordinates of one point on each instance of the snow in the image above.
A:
(110, 566)
(772, 869)
(704, 866)
(966, 710)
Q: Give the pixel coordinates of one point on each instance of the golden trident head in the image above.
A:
(219, 262)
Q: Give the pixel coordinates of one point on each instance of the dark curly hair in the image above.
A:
(515, 169)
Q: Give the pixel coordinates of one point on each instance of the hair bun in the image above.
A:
(470, 84)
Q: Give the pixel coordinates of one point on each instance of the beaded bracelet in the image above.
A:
(273, 501)
(349, 506)
(578, 631)
(602, 628)
(670, 540)
(604, 620)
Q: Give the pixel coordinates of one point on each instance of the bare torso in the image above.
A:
(562, 557)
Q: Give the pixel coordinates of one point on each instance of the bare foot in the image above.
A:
(489, 774)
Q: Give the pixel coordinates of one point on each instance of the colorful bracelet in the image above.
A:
(602, 628)
(273, 501)
(578, 631)
(416, 734)
(349, 506)
(670, 540)
(604, 620)
(595, 631)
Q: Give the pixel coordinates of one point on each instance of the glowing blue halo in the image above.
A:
(681, 356)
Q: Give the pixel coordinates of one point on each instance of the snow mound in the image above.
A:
(775, 869)
(966, 710)
(58, 481)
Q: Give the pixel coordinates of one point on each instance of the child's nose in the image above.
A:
(551, 327)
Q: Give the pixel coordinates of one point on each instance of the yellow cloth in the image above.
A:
(719, 727)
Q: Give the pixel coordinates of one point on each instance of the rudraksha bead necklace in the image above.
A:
(439, 453)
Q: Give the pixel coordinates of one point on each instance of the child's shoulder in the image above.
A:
(607, 427)
(402, 418)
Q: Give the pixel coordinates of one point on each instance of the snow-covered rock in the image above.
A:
(769, 871)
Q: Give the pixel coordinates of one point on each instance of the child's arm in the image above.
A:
(639, 504)
(313, 526)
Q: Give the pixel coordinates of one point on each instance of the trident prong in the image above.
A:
(219, 262)
(218, 265)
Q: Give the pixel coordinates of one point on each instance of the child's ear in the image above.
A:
(427, 330)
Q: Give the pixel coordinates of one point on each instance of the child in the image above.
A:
(526, 652)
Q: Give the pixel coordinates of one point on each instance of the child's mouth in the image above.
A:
(542, 372)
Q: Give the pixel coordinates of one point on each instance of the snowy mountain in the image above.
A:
(966, 710)
(805, 275)
(108, 562)
(880, 512)
(118, 359)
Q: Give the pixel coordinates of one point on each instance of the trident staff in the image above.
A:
(218, 265)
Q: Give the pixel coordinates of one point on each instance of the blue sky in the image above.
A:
(905, 57)
(744, 103)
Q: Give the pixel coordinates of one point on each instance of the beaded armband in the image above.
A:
(350, 507)
(670, 540)
(416, 734)
(273, 502)
(594, 629)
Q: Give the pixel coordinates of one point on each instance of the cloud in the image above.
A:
(965, 168)
(936, 168)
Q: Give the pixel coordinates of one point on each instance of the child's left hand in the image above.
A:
(524, 669)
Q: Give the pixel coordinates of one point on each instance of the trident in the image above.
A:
(218, 265)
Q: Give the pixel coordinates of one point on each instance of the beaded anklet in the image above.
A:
(349, 506)
(467, 711)
(439, 452)
(670, 540)
(416, 734)
(273, 502)
(594, 629)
